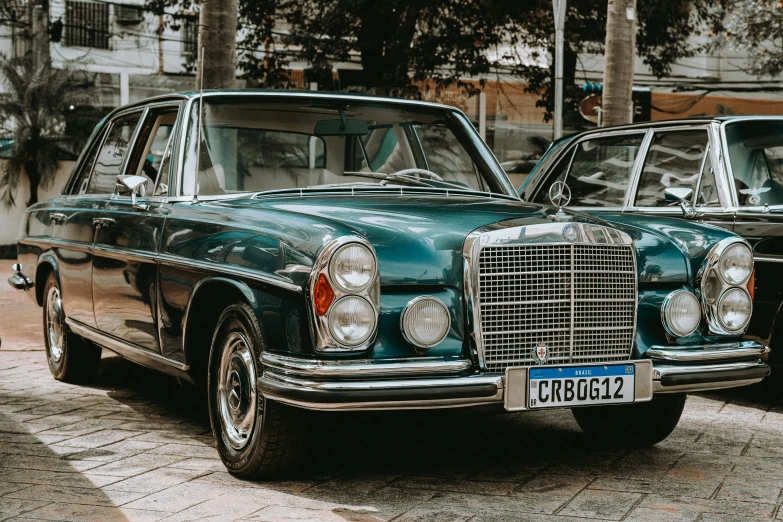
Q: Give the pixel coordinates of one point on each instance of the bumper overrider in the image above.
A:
(447, 383)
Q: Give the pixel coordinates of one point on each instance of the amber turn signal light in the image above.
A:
(752, 285)
(323, 294)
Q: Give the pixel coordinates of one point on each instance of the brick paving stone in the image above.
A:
(154, 481)
(11, 507)
(85, 513)
(179, 497)
(135, 465)
(606, 505)
(72, 495)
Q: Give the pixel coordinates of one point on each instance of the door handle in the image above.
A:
(103, 222)
(58, 217)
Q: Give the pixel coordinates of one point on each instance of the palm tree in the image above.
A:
(619, 57)
(33, 113)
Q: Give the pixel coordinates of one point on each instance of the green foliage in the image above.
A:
(401, 43)
(33, 113)
(755, 28)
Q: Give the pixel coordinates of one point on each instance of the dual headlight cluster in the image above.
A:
(346, 302)
(725, 300)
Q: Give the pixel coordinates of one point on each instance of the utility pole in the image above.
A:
(559, 8)
(217, 35)
(618, 62)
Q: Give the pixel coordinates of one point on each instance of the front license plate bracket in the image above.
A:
(523, 390)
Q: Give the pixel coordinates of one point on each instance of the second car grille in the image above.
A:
(579, 300)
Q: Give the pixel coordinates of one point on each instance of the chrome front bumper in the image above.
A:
(449, 383)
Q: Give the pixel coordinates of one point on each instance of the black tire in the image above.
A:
(275, 444)
(633, 425)
(71, 358)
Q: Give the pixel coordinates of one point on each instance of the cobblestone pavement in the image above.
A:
(135, 446)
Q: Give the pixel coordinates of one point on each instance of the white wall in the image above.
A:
(11, 218)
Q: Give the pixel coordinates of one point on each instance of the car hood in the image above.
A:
(419, 239)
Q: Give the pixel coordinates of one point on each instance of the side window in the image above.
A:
(151, 156)
(112, 154)
(600, 171)
(674, 160)
(83, 177)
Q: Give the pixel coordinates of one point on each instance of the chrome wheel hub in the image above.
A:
(55, 324)
(237, 396)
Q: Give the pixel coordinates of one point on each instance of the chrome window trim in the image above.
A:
(571, 149)
(550, 234)
(111, 123)
(728, 168)
(482, 149)
(639, 166)
(323, 340)
(710, 310)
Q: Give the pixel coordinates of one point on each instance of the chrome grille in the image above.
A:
(579, 299)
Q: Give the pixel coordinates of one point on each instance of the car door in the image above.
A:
(73, 233)
(125, 276)
(754, 169)
(681, 157)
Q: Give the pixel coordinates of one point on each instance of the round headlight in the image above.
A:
(734, 309)
(352, 267)
(681, 313)
(425, 322)
(351, 320)
(736, 264)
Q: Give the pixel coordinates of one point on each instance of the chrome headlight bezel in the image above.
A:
(323, 339)
(713, 284)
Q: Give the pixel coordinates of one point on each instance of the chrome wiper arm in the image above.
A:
(394, 176)
(387, 177)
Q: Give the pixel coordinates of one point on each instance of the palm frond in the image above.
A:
(33, 112)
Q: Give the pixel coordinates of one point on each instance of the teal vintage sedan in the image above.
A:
(293, 251)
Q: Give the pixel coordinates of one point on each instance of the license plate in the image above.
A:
(567, 386)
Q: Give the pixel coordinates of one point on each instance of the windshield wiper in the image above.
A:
(393, 176)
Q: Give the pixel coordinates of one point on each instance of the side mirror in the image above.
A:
(680, 196)
(134, 186)
(675, 195)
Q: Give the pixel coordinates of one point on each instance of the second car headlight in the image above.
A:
(681, 313)
(352, 267)
(351, 320)
(425, 321)
(734, 309)
(736, 264)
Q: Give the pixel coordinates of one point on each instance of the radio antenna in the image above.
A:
(199, 123)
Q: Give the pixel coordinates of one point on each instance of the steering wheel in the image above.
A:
(418, 172)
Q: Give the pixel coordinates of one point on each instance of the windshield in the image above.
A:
(258, 146)
(756, 156)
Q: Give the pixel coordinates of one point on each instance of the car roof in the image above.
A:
(672, 123)
(294, 94)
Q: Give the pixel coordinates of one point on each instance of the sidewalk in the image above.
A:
(134, 446)
(19, 316)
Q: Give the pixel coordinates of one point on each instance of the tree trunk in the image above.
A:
(40, 33)
(31, 169)
(619, 58)
(217, 34)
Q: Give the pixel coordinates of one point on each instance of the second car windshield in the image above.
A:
(258, 146)
(756, 156)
